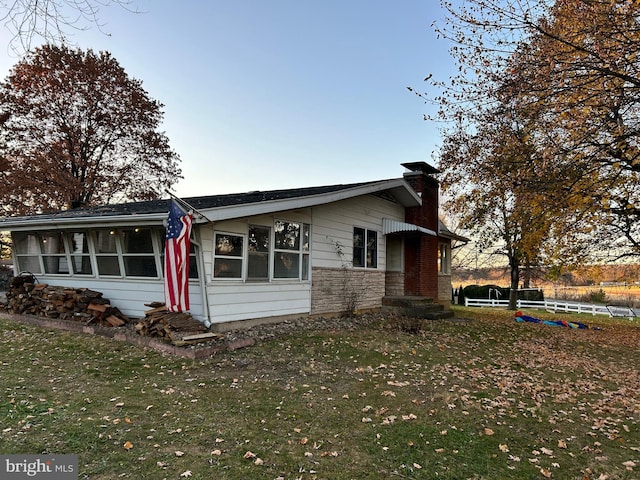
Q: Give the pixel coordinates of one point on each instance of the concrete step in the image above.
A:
(408, 301)
(417, 307)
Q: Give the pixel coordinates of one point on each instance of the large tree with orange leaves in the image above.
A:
(75, 131)
(571, 71)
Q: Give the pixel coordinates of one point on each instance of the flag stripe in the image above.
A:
(176, 259)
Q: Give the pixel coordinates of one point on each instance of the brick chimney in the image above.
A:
(421, 250)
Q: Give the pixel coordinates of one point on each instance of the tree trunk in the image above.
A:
(514, 264)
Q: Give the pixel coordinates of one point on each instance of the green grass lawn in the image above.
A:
(484, 399)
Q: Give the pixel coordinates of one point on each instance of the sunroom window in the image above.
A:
(27, 252)
(54, 257)
(107, 253)
(79, 250)
(138, 253)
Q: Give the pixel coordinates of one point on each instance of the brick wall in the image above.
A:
(332, 289)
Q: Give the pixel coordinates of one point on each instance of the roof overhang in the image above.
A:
(398, 188)
(29, 223)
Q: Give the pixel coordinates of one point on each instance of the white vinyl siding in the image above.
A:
(333, 229)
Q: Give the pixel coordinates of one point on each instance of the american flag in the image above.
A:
(176, 259)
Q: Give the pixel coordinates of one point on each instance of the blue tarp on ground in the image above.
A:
(519, 317)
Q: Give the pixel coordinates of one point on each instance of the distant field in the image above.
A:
(628, 295)
(619, 294)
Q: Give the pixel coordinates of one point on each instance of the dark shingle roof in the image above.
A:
(198, 203)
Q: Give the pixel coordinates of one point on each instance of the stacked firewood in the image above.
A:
(25, 296)
(179, 328)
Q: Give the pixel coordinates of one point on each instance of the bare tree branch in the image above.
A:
(52, 21)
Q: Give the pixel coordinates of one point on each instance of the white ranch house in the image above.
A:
(256, 256)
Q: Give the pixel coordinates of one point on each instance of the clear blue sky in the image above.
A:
(269, 94)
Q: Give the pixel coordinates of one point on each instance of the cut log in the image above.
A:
(98, 307)
(114, 321)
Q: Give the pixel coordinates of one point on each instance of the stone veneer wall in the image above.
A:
(394, 284)
(332, 288)
(444, 289)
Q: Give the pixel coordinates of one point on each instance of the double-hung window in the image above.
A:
(228, 255)
(365, 248)
(258, 253)
(291, 250)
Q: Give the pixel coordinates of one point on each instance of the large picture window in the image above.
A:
(365, 248)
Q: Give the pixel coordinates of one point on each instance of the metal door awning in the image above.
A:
(394, 226)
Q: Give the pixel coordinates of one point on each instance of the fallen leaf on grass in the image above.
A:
(630, 465)
(546, 473)
(503, 448)
(562, 444)
(128, 445)
(417, 465)
(186, 473)
(178, 453)
(488, 431)
(249, 454)
(216, 452)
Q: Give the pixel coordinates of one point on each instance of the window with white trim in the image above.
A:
(228, 255)
(26, 250)
(291, 250)
(80, 254)
(138, 253)
(107, 259)
(258, 254)
(365, 248)
(54, 257)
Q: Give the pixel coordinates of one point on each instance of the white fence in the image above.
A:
(558, 306)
